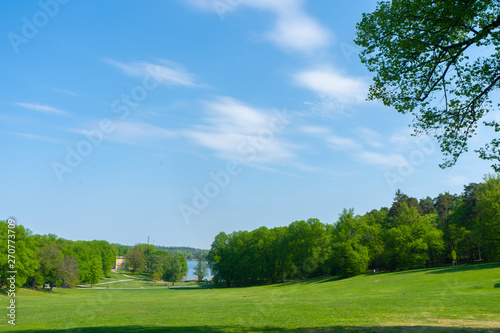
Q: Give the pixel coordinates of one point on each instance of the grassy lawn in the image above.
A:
(451, 299)
(125, 279)
(138, 275)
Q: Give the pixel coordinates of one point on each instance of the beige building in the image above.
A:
(120, 263)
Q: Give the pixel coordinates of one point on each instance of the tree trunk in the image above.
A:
(33, 284)
(53, 284)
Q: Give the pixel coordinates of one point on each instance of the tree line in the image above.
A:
(412, 233)
(189, 253)
(48, 259)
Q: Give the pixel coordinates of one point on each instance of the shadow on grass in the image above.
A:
(319, 279)
(226, 329)
(191, 287)
(497, 285)
(463, 268)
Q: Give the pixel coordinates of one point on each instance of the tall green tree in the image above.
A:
(68, 272)
(437, 60)
(414, 242)
(349, 256)
(136, 260)
(49, 257)
(218, 259)
(17, 248)
(174, 268)
(308, 244)
(489, 208)
(201, 269)
(108, 255)
(89, 260)
(156, 262)
(443, 204)
(372, 235)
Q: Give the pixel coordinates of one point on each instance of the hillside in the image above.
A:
(449, 299)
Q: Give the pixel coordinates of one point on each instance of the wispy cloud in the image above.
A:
(41, 108)
(338, 142)
(369, 137)
(165, 72)
(64, 92)
(132, 132)
(32, 136)
(315, 130)
(329, 84)
(389, 161)
(332, 140)
(235, 130)
(293, 29)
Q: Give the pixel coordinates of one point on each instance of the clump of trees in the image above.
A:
(410, 234)
(146, 257)
(48, 259)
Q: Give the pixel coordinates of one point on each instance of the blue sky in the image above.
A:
(180, 119)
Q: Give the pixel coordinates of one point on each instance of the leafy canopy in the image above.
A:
(440, 61)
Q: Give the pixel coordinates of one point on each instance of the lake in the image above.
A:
(190, 274)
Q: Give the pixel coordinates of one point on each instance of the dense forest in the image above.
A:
(447, 229)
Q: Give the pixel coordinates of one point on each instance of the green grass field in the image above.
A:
(450, 299)
(124, 279)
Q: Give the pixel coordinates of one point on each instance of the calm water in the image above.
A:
(190, 274)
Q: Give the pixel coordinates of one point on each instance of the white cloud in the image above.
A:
(168, 73)
(339, 142)
(42, 108)
(369, 136)
(332, 140)
(402, 137)
(237, 131)
(385, 160)
(296, 30)
(36, 137)
(329, 84)
(64, 91)
(314, 130)
(130, 132)
(293, 30)
(403, 141)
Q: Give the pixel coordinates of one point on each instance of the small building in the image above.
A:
(120, 263)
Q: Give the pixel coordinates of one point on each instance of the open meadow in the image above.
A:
(449, 299)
